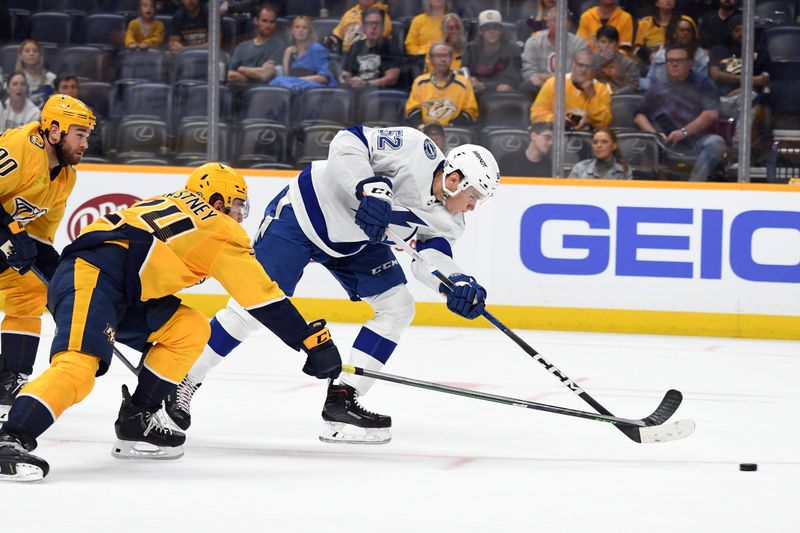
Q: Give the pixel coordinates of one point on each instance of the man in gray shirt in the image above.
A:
(256, 61)
(539, 54)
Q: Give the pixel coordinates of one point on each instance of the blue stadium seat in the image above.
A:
(51, 27)
(85, 63)
(147, 65)
(266, 103)
(104, 30)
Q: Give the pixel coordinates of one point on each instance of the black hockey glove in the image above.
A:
(467, 298)
(375, 210)
(46, 259)
(323, 359)
(17, 248)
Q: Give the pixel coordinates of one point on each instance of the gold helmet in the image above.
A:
(67, 111)
(218, 178)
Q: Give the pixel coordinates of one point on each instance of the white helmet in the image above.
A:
(478, 169)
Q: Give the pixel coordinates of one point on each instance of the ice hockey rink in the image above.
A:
(253, 461)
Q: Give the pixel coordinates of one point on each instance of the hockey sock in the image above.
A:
(370, 351)
(151, 390)
(19, 351)
(220, 344)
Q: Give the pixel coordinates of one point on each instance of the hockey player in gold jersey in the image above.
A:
(117, 281)
(36, 178)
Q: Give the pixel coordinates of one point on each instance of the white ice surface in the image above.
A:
(253, 461)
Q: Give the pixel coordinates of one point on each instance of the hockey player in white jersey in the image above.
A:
(336, 212)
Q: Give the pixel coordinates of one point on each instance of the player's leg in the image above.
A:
(84, 303)
(375, 277)
(284, 251)
(180, 335)
(25, 300)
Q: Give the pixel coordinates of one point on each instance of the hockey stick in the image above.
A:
(648, 433)
(669, 404)
(39, 274)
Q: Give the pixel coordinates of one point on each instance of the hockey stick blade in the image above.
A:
(637, 430)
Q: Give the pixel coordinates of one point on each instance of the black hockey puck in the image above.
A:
(748, 467)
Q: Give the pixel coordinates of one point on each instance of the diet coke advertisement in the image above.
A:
(95, 208)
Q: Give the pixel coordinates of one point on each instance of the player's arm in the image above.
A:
(17, 249)
(468, 299)
(246, 281)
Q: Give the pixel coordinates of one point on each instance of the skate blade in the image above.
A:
(22, 472)
(340, 433)
(136, 450)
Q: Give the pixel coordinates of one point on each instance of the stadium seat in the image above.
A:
(51, 27)
(146, 65)
(324, 27)
(623, 109)
(97, 95)
(152, 100)
(193, 65)
(272, 104)
(325, 106)
(229, 33)
(104, 30)
(405, 9)
(18, 23)
(144, 161)
(191, 102)
(85, 63)
(382, 107)
(775, 12)
(129, 8)
(501, 142)
(8, 58)
(505, 110)
(455, 136)
(577, 147)
(311, 143)
(309, 8)
(783, 42)
(141, 137)
(261, 142)
(641, 151)
(272, 166)
(167, 21)
(191, 141)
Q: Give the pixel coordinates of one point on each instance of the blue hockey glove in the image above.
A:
(323, 359)
(375, 210)
(467, 298)
(17, 248)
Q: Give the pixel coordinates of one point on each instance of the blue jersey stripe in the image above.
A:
(374, 345)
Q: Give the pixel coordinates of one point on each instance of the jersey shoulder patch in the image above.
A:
(429, 148)
(36, 141)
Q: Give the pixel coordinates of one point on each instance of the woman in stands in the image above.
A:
(31, 63)
(607, 163)
(683, 32)
(18, 109)
(426, 28)
(305, 61)
(455, 36)
(651, 33)
(538, 21)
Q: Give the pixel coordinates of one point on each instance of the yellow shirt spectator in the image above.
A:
(651, 35)
(595, 111)
(590, 22)
(425, 30)
(140, 34)
(349, 29)
(442, 103)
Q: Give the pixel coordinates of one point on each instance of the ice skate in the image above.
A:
(16, 464)
(177, 404)
(144, 434)
(347, 422)
(10, 385)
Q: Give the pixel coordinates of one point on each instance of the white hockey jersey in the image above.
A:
(324, 195)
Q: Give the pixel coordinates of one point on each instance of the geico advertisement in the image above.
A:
(607, 247)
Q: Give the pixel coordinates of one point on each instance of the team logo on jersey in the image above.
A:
(440, 110)
(25, 212)
(36, 141)
(429, 148)
(110, 333)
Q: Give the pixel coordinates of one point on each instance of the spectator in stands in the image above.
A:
(67, 84)
(426, 28)
(607, 163)
(535, 159)
(683, 110)
(686, 35)
(714, 25)
(435, 131)
(651, 33)
(588, 102)
(256, 61)
(606, 12)
(491, 59)
(18, 109)
(305, 61)
(539, 54)
(538, 20)
(373, 61)
(30, 62)
(455, 36)
(350, 30)
(613, 68)
(443, 96)
(145, 31)
(189, 27)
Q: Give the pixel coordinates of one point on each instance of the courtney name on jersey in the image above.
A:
(29, 191)
(192, 241)
(324, 194)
